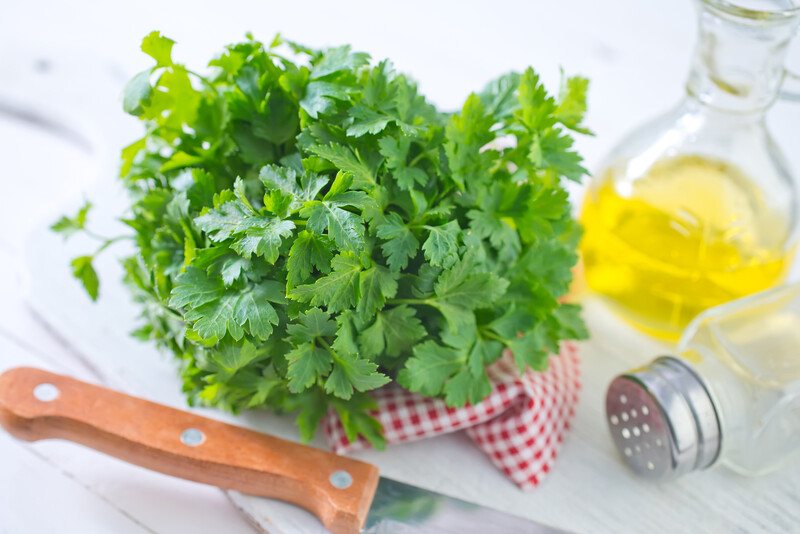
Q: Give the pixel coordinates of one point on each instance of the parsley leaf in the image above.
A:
(467, 133)
(309, 251)
(252, 233)
(320, 97)
(159, 48)
(441, 247)
(430, 367)
(69, 226)
(572, 103)
(376, 284)
(353, 373)
(83, 270)
(229, 359)
(307, 363)
(401, 244)
(396, 153)
(464, 388)
(465, 286)
(331, 216)
(214, 310)
(393, 333)
(337, 290)
(346, 160)
(136, 94)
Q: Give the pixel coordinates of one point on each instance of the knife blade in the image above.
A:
(403, 508)
(345, 494)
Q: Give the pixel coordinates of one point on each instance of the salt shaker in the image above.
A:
(729, 395)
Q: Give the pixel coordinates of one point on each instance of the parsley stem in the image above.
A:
(110, 241)
(417, 159)
(153, 300)
(327, 346)
(274, 54)
(491, 335)
(202, 78)
(422, 155)
(94, 235)
(421, 302)
(167, 309)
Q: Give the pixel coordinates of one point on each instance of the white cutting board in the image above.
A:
(588, 491)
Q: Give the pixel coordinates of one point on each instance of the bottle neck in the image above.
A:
(738, 64)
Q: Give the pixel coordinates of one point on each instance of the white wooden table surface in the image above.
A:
(70, 58)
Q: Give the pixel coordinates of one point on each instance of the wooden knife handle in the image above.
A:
(36, 404)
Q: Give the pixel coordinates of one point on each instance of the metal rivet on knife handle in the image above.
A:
(341, 479)
(192, 437)
(46, 392)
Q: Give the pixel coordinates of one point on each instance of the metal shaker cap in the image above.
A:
(663, 420)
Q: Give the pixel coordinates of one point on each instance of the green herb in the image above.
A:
(308, 227)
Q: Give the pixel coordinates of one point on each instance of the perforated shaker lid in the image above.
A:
(663, 420)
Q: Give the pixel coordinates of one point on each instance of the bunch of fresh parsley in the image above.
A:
(308, 228)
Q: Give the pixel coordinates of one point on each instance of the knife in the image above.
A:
(348, 496)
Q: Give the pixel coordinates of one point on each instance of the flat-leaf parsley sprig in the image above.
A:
(308, 228)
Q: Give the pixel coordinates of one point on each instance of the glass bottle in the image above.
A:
(731, 394)
(698, 207)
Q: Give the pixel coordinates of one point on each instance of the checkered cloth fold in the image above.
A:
(520, 425)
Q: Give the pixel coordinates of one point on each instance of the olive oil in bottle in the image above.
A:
(691, 233)
(699, 205)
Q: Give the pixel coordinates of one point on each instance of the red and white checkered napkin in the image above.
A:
(520, 426)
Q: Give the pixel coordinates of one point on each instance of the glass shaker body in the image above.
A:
(730, 395)
(698, 207)
(748, 354)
